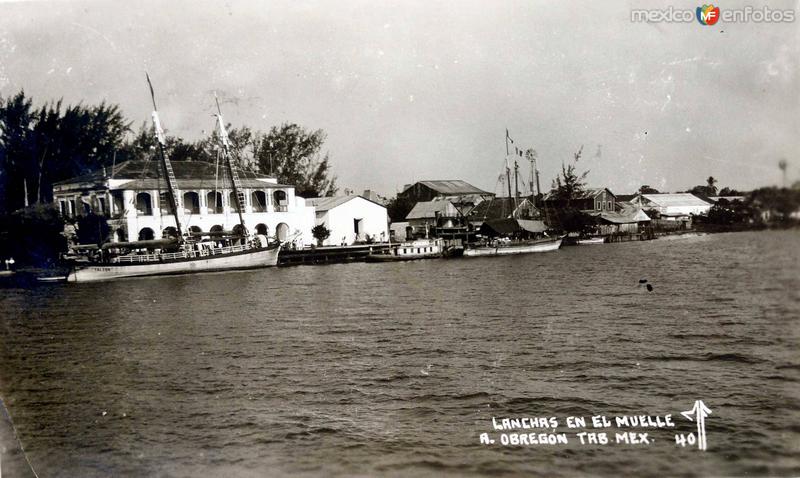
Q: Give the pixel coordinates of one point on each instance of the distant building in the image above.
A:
(130, 197)
(428, 215)
(423, 191)
(351, 219)
(673, 207)
(591, 200)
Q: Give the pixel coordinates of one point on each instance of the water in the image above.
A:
(396, 369)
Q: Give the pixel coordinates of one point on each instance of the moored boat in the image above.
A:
(184, 253)
(591, 240)
(502, 248)
(409, 251)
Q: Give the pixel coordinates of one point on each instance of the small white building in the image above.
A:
(130, 197)
(676, 207)
(351, 219)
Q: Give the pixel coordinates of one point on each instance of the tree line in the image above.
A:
(53, 142)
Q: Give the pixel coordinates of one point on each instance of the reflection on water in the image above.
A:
(397, 368)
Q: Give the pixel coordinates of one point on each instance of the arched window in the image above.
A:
(262, 229)
(214, 201)
(259, 201)
(169, 232)
(238, 230)
(232, 202)
(280, 200)
(216, 228)
(191, 203)
(195, 231)
(146, 234)
(144, 206)
(283, 231)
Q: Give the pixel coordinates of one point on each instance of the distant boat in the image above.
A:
(183, 254)
(502, 248)
(591, 240)
(409, 251)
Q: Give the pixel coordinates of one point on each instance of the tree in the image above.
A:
(567, 187)
(645, 189)
(320, 233)
(726, 191)
(398, 208)
(292, 154)
(708, 189)
(41, 146)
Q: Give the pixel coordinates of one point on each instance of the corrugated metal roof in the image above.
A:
(428, 209)
(586, 193)
(625, 217)
(675, 199)
(452, 187)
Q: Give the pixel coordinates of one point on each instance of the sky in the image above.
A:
(415, 90)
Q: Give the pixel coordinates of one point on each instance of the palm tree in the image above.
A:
(782, 164)
(711, 185)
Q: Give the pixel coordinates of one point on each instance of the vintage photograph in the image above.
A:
(258, 238)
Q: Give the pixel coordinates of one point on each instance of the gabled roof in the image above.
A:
(428, 209)
(626, 216)
(675, 199)
(586, 193)
(328, 203)
(455, 187)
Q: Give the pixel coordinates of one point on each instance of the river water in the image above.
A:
(397, 369)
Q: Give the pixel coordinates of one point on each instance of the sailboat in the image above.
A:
(505, 245)
(183, 254)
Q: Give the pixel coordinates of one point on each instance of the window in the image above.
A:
(597, 205)
(146, 234)
(281, 204)
(214, 202)
(610, 207)
(101, 206)
(144, 207)
(259, 201)
(191, 203)
(233, 202)
(63, 207)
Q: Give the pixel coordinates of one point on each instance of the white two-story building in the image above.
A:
(133, 197)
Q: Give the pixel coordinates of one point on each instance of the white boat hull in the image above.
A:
(592, 240)
(513, 249)
(249, 259)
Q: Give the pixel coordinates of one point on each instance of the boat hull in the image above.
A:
(548, 246)
(249, 259)
(411, 251)
(592, 240)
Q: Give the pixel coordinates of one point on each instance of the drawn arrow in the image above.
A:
(698, 414)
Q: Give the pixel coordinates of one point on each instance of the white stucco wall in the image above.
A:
(340, 220)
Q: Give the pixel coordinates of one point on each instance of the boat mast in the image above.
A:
(172, 183)
(226, 148)
(508, 170)
(516, 185)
